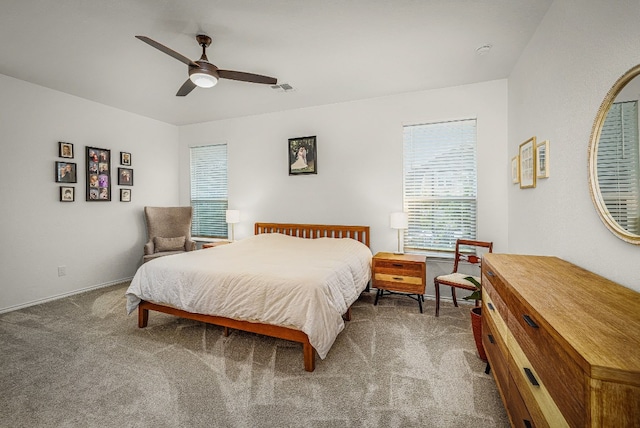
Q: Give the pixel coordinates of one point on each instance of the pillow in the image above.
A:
(168, 244)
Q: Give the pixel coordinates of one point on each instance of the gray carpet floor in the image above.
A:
(82, 362)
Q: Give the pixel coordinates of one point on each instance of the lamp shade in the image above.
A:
(203, 80)
(232, 216)
(399, 220)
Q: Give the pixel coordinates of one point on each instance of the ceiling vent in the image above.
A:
(284, 87)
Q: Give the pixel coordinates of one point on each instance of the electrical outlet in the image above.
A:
(62, 270)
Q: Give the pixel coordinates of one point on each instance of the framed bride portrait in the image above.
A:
(303, 157)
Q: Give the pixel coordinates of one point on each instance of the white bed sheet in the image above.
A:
(306, 284)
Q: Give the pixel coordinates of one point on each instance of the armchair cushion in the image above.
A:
(169, 244)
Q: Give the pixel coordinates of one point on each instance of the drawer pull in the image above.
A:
(491, 306)
(489, 273)
(529, 321)
(397, 264)
(527, 423)
(531, 377)
(491, 339)
(398, 278)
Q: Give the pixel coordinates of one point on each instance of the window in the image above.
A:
(440, 184)
(618, 160)
(209, 197)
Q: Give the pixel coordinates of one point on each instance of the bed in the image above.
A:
(290, 281)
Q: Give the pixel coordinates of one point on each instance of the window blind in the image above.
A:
(618, 163)
(209, 197)
(440, 184)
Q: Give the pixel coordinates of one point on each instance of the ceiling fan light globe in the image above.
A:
(203, 80)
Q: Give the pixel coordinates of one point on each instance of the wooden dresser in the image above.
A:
(563, 343)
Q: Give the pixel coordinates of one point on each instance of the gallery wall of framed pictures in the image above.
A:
(99, 184)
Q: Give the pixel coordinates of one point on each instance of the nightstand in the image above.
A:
(399, 274)
(215, 244)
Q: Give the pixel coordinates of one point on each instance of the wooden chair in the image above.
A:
(457, 279)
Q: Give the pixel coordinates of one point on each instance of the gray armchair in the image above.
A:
(168, 231)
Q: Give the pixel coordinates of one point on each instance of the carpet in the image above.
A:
(82, 362)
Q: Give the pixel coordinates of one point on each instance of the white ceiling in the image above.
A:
(328, 50)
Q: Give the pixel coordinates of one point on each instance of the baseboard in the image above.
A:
(63, 295)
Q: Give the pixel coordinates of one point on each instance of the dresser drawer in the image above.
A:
(542, 404)
(493, 279)
(518, 412)
(495, 349)
(555, 368)
(496, 309)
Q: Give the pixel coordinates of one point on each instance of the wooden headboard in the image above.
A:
(359, 233)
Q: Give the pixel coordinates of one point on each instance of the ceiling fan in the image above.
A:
(201, 72)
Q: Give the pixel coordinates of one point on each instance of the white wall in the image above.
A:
(359, 178)
(98, 242)
(578, 52)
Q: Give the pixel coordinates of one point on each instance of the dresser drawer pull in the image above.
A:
(527, 423)
(491, 306)
(398, 278)
(397, 265)
(489, 273)
(529, 321)
(531, 377)
(491, 339)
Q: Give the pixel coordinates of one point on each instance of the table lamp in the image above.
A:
(232, 217)
(400, 221)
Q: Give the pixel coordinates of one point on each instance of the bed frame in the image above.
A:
(310, 231)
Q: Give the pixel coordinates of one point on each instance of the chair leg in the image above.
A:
(437, 287)
(453, 294)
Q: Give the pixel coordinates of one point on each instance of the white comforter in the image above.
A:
(306, 284)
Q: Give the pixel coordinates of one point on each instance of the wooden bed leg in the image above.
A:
(225, 331)
(143, 317)
(309, 357)
(347, 315)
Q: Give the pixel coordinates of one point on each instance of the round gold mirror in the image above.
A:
(614, 158)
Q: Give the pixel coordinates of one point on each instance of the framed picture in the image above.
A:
(542, 160)
(65, 150)
(67, 194)
(98, 174)
(527, 163)
(303, 157)
(66, 172)
(125, 195)
(125, 176)
(125, 158)
(515, 170)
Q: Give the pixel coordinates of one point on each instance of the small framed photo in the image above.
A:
(303, 157)
(542, 160)
(125, 195)
(65, 150)
(515, 170)
(527, 163)
(125, 159)
(66, 172)
(67, 194)
(125, 176)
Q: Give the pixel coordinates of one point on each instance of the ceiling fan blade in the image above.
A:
(185, 88)
(247, 77)
(168, 51)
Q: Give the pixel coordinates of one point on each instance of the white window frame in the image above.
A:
(440, 171)
(209, 196)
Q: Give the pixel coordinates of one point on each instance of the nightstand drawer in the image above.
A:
(398, 278)
(410, 286)
(398, 267)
